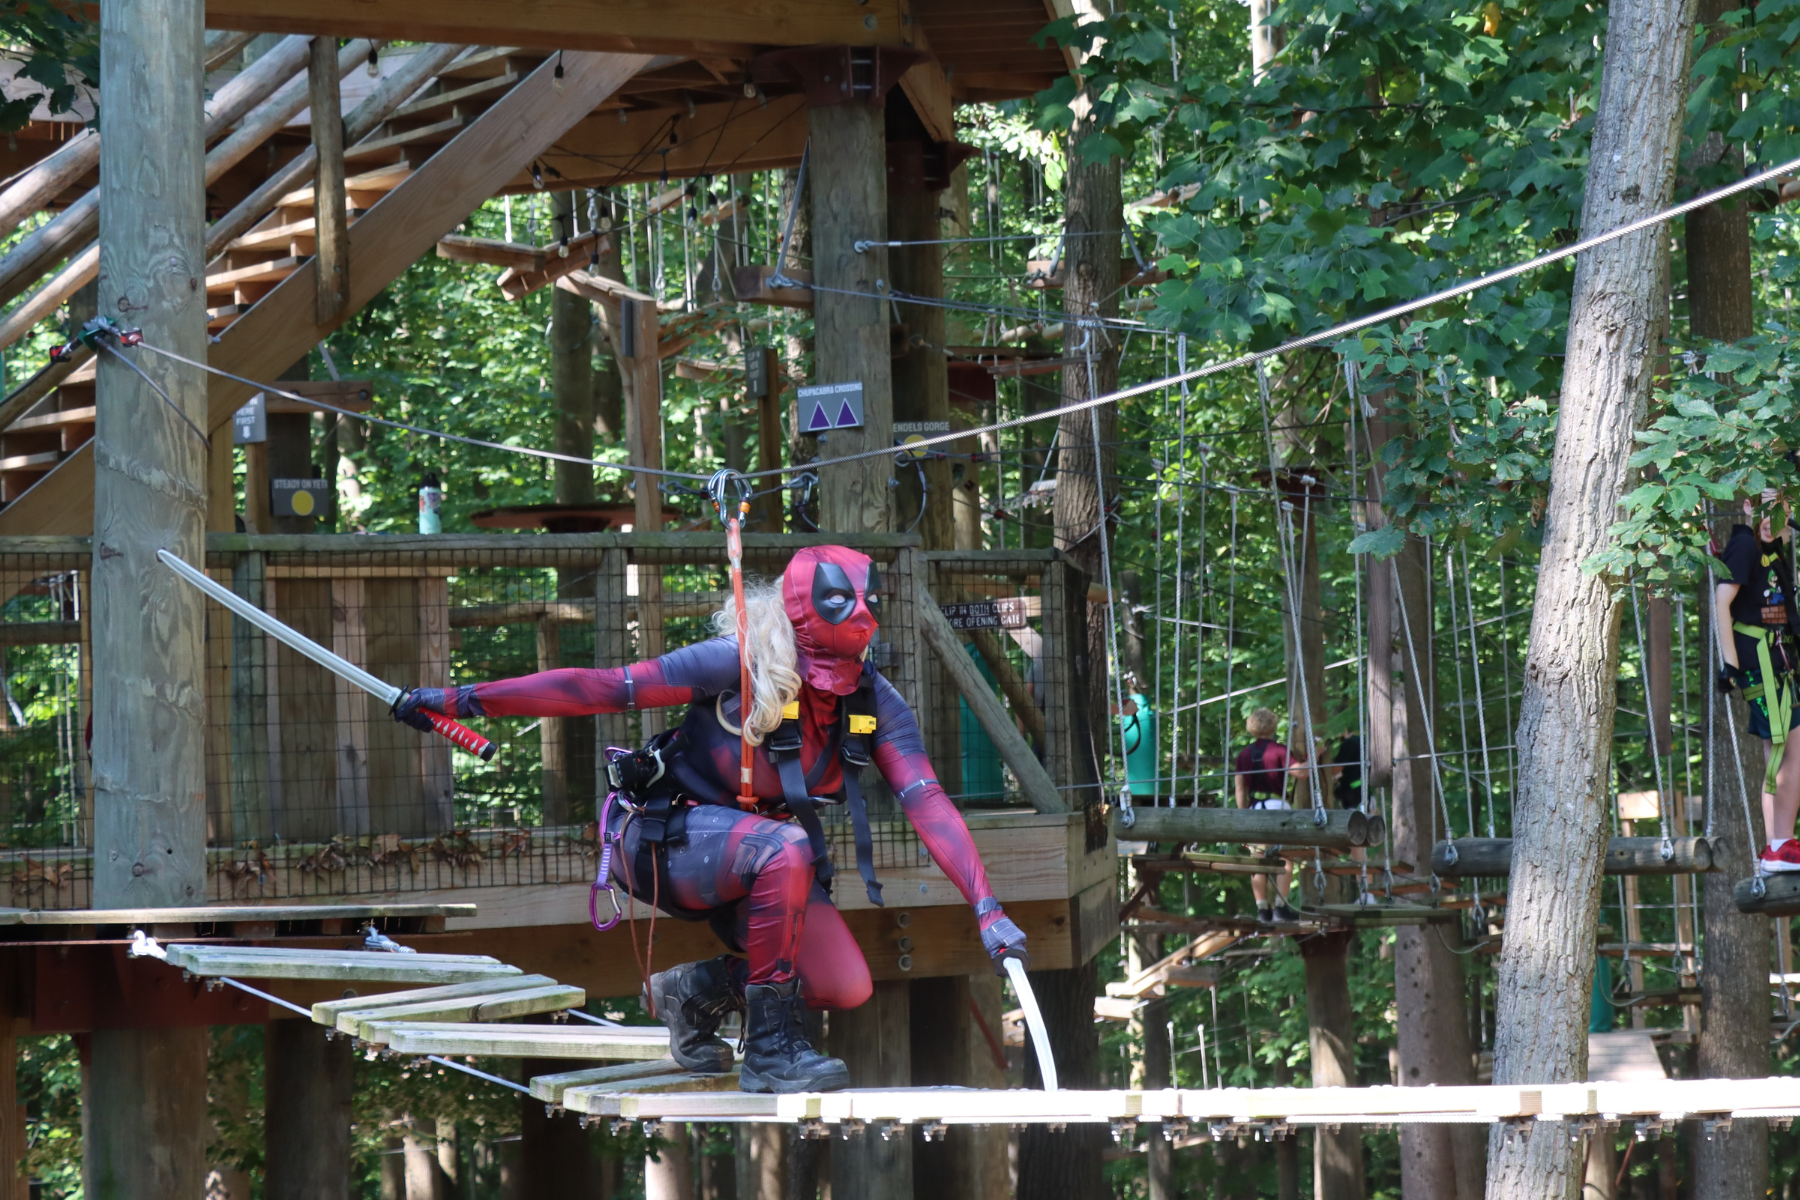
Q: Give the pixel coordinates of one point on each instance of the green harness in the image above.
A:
(1777, 693)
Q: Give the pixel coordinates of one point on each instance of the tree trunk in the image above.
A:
(1092, 207)
(1733, 1041)
(875, 1042)
(1331, 1018)
(669, 1173)
(1566, 715)
(1065, 1165)
(555, 1158)
(306, 1124)
(571, 373)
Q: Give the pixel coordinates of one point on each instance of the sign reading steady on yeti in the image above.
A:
(828, 406)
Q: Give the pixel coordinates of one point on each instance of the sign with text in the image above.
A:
(251, 423)
(988, 614)
(907, 433)
(828, 406)
(299, 497)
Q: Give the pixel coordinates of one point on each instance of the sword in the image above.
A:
(1034, 1021)
(387, 693)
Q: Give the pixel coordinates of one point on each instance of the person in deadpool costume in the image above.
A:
(754, 874)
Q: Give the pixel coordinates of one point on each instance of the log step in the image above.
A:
(1771, 895)
(1342, 828)
(1491, 858)
(260, 962)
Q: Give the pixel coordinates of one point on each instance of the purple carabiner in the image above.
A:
(601, 881)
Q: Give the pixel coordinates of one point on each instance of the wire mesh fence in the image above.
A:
(313, 790)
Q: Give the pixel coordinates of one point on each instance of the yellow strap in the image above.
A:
(1777, 693)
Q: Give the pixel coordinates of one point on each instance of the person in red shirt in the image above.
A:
(818, 709)
(1261, 773)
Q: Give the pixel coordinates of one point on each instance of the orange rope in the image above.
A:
(734, 551)
(648, 959)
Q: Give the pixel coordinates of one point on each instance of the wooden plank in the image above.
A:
(493, 1006)
(438, 131)
(228, 914)
(326, 1012)
(492, 252)
(523, 1041)
(257, 963)
(750, 284)
(607, 1101)
(472, 94)
(550, 1088)
(518, 282)
(1034, 781)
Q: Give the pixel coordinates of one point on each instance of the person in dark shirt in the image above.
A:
(1261, 772)
(1755, 621)
(1347, 773)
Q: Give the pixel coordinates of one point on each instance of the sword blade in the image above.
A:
(387, 693)
(1034, 1021)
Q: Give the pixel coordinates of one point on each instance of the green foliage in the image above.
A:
(56, 48)
(1720, 435)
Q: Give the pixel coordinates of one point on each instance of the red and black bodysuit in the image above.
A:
(753, 874)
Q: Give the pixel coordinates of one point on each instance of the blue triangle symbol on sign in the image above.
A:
(818, 420)
(846, 417)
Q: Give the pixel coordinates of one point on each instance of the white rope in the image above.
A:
(1656, 749)
(1112, 625)
(1487, 766)
(1180, 550)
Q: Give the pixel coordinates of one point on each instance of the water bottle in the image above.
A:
(431, 499)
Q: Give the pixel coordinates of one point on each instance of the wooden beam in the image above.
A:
(331, 227)
(929, 92)
(687, 27)
(395, 233)
(1492, 857)
(735, 136)
(1034, 781)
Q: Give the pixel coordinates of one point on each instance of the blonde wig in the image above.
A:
(774, 679)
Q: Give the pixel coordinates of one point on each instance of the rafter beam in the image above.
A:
(701, 28)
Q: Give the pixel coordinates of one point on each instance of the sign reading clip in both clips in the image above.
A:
(828, 406)
(299, 497)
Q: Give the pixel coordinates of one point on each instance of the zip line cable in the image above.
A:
(1243, 360)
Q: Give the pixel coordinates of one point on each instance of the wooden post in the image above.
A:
(303, 696)
(921, 373)
(612, 648)
(555, 1158)
(875, 1042)
(12, 1117)
(306, 1127)
(144, 1094)
(250, 812)
(331, 280)
(350, 640)
(550, 739)
(769, 440)
(436, 764)
(953, 1019)
(638, 320)
(852, 339)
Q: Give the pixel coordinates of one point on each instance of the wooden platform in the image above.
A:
(235, 915)
(1239, 1111)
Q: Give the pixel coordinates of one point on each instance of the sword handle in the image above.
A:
(461, 735)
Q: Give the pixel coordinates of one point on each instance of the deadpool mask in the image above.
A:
(833, 597)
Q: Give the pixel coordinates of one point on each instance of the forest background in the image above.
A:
(1384, 150)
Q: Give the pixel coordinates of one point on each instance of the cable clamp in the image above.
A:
(1127, 815)
(1319, 817)
(1667, 849)
(145, 946)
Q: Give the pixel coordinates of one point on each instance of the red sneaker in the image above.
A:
(1786, 859)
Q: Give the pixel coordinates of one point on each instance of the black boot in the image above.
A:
(692, 999)
(777, 1056)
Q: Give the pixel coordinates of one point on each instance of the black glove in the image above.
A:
(1730, 677)
(407, 708)
(1003, 940)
